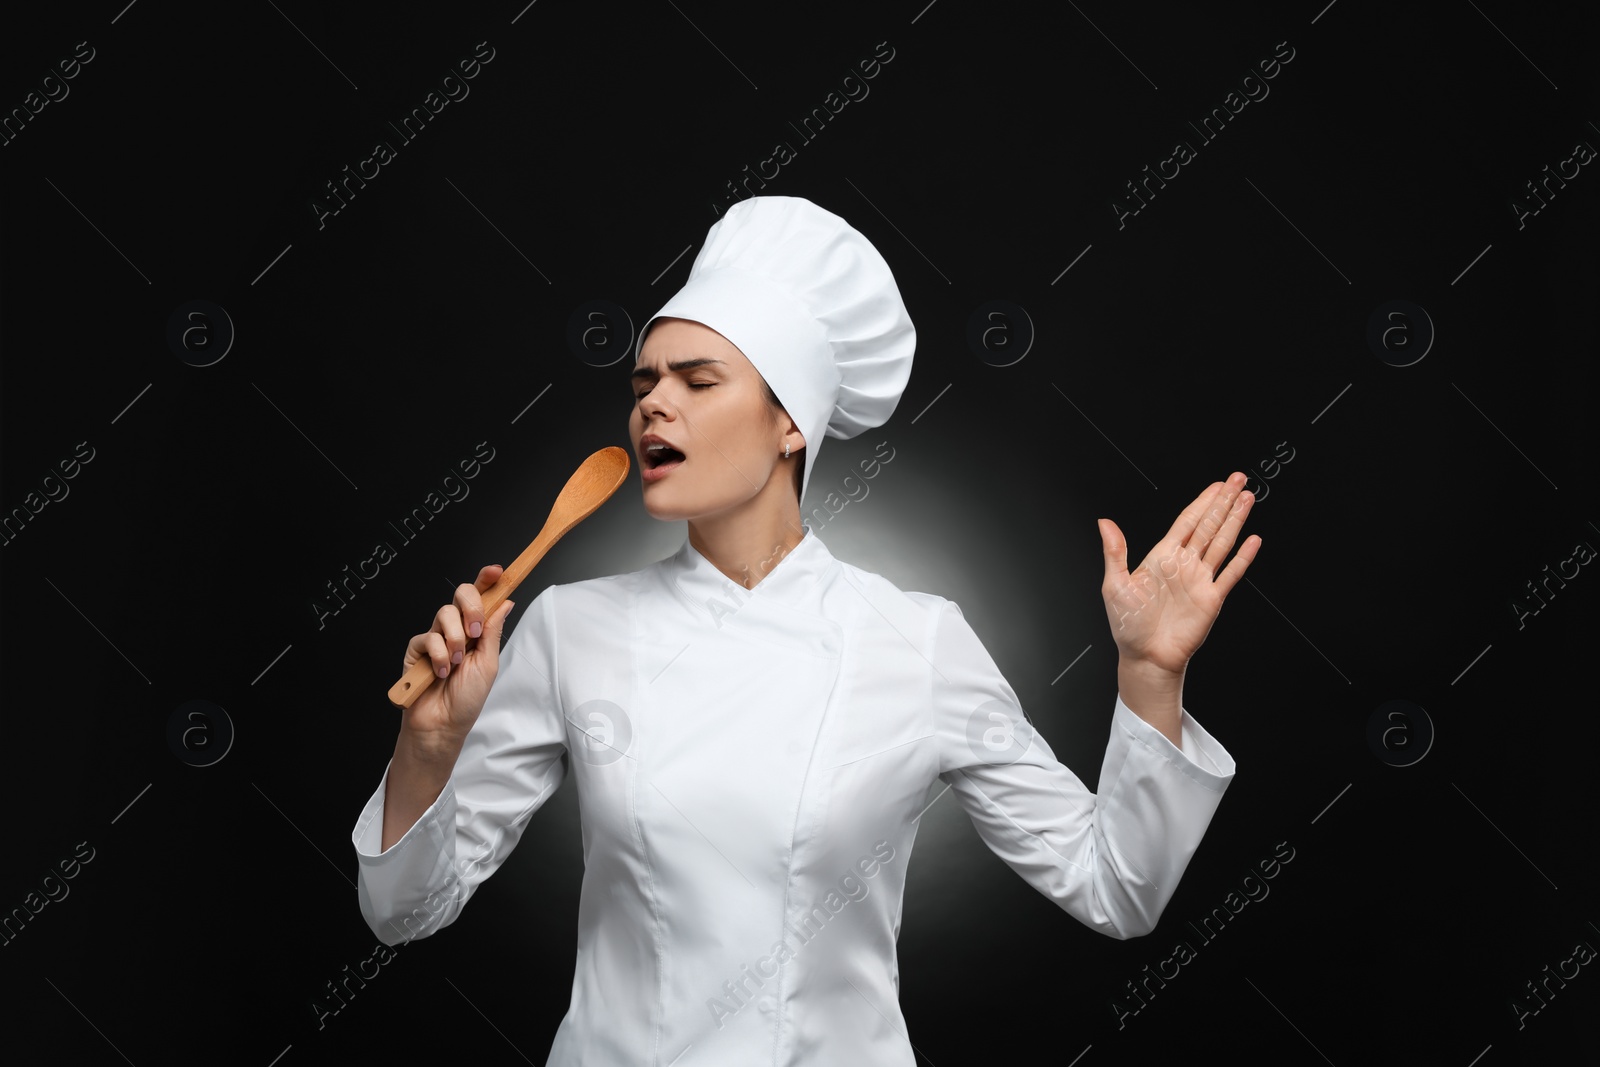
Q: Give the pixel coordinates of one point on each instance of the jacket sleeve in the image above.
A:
(510, 764)
(1110, 858)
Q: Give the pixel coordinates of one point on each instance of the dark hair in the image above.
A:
(773, 408)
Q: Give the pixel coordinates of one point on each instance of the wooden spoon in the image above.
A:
(591, 485)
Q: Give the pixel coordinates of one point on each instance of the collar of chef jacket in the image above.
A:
(785, 608)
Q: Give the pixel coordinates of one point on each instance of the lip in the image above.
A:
(650, 474)
(646, 471)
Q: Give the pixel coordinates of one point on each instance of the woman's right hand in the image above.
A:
(439, 719)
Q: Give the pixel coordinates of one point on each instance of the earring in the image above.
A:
(786, 451)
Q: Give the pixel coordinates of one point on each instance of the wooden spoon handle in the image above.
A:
(590, 486)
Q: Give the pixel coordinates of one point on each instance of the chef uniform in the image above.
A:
(751, 764)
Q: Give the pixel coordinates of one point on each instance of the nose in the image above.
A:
(653, 404)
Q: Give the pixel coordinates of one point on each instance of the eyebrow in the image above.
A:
(675, 365)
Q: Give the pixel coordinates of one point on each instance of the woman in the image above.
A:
(755, 726)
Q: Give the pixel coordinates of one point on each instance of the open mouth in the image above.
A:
(658, 457)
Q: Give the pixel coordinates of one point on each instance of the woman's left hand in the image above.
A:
(1161, 612)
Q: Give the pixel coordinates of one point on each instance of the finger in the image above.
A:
(1212, 513)
(432, 646)
(492, 631)
(1216, 515)
(416, 648)
(1115, 549)
(469, 599)
(1238, 565)
(1189, 517)
(470, 603)
(447, 623)
(1222, 544)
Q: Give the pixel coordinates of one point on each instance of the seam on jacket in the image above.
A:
(1028, 835)
(882, 751)
(554, 680)
(778, 1015)
(658, 1019)
(930, 641)
(857, 585)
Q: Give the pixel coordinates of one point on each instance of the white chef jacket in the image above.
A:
(751, 766)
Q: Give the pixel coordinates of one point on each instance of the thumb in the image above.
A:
(1114, 547)
(496, 624)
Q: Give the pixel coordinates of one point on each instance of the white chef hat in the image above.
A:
(814, 308)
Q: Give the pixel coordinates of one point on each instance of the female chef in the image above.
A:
(754, 727)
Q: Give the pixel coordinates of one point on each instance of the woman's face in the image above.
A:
(695, 391)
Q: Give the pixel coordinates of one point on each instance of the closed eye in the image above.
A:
(692, 385)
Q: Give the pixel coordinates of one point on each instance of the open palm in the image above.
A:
(1161, 612)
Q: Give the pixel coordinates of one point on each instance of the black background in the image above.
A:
(1231, 314)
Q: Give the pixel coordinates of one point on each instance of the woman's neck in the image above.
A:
(745, 543)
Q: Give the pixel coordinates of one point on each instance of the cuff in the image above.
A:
(368, 833)
(1202, 757)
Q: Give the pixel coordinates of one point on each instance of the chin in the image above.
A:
(661, 505)
(662, 511)
(664, 516)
